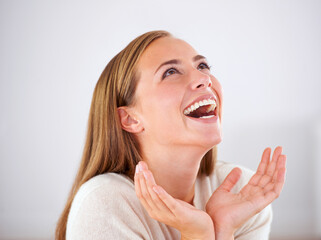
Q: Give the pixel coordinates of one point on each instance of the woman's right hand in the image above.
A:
(191, 222)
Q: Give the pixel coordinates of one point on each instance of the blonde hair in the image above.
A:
(108, 148)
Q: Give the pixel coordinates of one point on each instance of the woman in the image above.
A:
(157, 108)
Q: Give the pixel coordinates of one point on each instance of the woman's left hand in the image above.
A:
(191, 222)
(229, 211)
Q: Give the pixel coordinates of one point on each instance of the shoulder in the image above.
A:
(102, 189)
(111, 183)
(104, 206)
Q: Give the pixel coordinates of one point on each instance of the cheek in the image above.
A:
(168, 96)
(163, 108)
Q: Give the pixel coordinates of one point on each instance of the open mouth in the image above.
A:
(202, 109)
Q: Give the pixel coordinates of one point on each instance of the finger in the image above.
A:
(168, 200)
(136, 182)
(279, 165)
(148, 184)
(149, 195)
(145, 193)
(163, 209)
(271, 167)
(280, 178)
(279, 182)
(261, 168)
(149, 199)
(275, 193)
(138, 190)
(264, 161)
(277, 152)
(143, 165)
(231, 179)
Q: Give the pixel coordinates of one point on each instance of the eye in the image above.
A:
(169, 72)
(203, 65)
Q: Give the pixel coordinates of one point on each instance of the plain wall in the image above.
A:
(266, 54)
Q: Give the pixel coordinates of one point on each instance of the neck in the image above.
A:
(175, 169)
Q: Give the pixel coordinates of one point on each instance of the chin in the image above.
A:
(209, 140)
(212, 136)
(215, 140)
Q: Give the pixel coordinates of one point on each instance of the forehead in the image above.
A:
(164, 49)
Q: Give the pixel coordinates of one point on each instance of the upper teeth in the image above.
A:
(200, 104)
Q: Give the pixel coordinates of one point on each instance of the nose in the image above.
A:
(201, 80)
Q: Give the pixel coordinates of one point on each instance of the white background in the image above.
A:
(266, 54)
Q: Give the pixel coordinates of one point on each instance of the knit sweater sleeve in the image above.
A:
(258, 227)
(101, 211)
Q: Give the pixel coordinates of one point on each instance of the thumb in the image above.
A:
(231, 179)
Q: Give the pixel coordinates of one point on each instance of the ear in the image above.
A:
(128, 122)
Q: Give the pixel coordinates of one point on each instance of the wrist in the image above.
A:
(204, 236)
(223, 230)
(206, 232)
(224, 234)
(209, 234)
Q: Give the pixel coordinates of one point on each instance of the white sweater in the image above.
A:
(106, 207)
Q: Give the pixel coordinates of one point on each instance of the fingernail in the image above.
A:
(140, 167)
(136, 169)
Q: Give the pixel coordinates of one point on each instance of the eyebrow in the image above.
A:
(176, 61)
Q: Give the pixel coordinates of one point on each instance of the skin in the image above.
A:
(173, 145)
(168, 139)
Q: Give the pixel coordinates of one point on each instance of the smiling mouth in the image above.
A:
(202, 109)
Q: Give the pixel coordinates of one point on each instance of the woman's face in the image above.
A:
(173, 80)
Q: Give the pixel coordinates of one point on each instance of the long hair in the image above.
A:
(108, 148)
